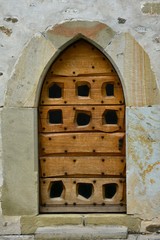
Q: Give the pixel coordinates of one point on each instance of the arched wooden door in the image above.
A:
(82, 134)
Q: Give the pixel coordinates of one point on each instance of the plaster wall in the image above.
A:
(30, 40)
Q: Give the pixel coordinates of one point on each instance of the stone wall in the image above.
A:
(128, 32)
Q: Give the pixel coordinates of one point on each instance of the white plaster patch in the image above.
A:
(141, 29)
(143, 161)
(71, 10)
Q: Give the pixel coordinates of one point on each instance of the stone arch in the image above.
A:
(127, 56)
(20, 112)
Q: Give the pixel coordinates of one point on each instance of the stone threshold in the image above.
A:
(30, 224)
(81, 232)
(130, 237)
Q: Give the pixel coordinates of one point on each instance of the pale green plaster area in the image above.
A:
(29, 224)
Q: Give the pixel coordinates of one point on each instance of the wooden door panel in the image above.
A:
(94, 165)
(82, 134)
(82, 60)
(70, 95)
(82, 143)
(81, 208)
(96, 117)
(98, 191)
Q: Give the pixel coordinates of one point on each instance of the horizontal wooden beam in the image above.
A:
(69, 90)
(82, 143)
(76, 165)
(74, 191)
(97, 118)
(83, 208)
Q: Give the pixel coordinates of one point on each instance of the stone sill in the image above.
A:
(81, 232)
(29, 224)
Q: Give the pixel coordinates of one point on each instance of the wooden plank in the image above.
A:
(78, 165)
(113, 143)
(53, 208)
(81, 58)
(82, 191)
(97, 118)
(69, 94)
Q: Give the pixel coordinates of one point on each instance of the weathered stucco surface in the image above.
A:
(31, 38)
(143, 165)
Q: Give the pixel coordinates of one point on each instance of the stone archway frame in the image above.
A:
(127, 56)
(20, 195)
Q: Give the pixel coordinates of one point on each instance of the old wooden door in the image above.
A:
(82, 134)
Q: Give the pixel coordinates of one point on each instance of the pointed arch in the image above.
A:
(82, 134)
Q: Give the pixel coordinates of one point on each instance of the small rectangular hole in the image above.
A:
(109, 89)
(83, 118)
(109, 190)
(55, 116)
(110, 117)
(85, 190)
(83, 89)
(57, 189)
(56, 90)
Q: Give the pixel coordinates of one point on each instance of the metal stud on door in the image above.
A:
(82, 134)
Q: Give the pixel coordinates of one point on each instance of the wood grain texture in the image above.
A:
(79, 166)
(114, 208)
(82, 143)
(69, 85)
(82, 134)
(70, 193)
(81, 58)
(96, 113)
